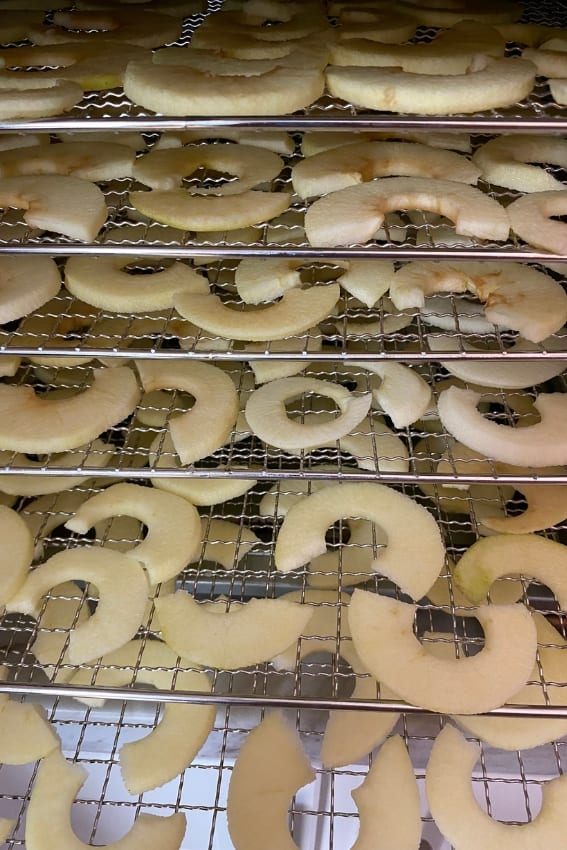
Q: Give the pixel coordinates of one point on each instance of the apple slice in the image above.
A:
(402, 393)
(63, 611)
(504, 161)
(25, 733)
(432, 58)
(48, 817)
(345, 567)
(246, 635)
(6, 827)
(25, 96)
(271, 369)
(271, 767)
(558, 89)
(382, 631)
(26, 283)
(103, 161)
(97, 454)
(547, 506)
(461, 819)
(278, 141)
(354, 214)
(149, 29)
(327, 630)
(207, 426)
(15, 23)
(298, 310)
(316, 141)
(224, 543)
(532, 219)
(550, 60)
(412, 561)
(122, 588)
(16, 553)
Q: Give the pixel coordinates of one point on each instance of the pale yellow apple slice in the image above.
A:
(266, 278)
(132, 140)
(26, 283)
(388, 802)
(271, 369)
(493, 84)
(358, 163)
(64, 610)
(165, 169)
(532, 219)
(505, 161)
(326, 631)
(97, 454)
(100, 161)
(267, 416)
(529, 555)
(246, 635)
(25, 733)
(558, 89)
(402, 393)
(33, 424)
(354, 214)
(308, 20)
(48, 817)
(49, 512)
(432, 58)
(6, 827)
(271, 767)
(367, 280)
(122, 588)
(461, 819)
(412, 561)
(174, 531)
(282, 495)
(67, 205)
(544, 444)
(23, 140)
(149, 29)
(375, 447)
(382, 631)
(207, 426)
(547, 506)
(550, 59)
(184, 210)
(168, 749)
(179, 90)
(25, 96)
(104, 282)
(316, 141)
(225, 543)
(298, 310)
(16, 554)
(277, 141)
(448, 14)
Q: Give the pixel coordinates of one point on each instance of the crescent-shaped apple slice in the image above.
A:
(16, 553)
(64, 610)
(33, 424)
(543, 444)
(532, 218)
(412, 561)
(26, 283)
(171, 747)
(246, 635)
(298, 310)
(354, 214)
(272, 369)
(67, 205)
(271, 767)
(207, 426)
(363, 161)
(547, 506)
(491, 558)
(174, 530)
(461, 819)
(224, 542)
(32, 96)
(25, 733)
(504, 161)
(48, 817)
(382, 631)
(100, 161)
(97, 454)
(402, 393)
(122, 588)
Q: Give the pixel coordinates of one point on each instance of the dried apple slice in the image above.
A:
(358, 163)
(532, 219)
(224, 543)
(388, 802)
(435, 58)
(558, 89)
(67, 205)
(97, 454)
(271, 369)
(246, 635)
(149, 29)
(15, 23)
(267, 416)
(402, 393)
(207, 426)
(302, 535)
(326, 631)
(6, 827)
(32, 424)
(26, 283)
(25, 733)
(277, 141)
(16, 553)
(354, 214)
(349, 566)
(505, 161)
(122, 587)
(48, 818)
(316, 141)
(550, 59)
(32, 97)
(100, 161)
(271, 767)
(298, 310)
(382, 631)
(544, 444)
(547, 506)
(174, 530)
(64, 610)
(104, 282)
(459, 816)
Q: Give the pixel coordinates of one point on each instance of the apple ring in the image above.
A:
(149, 29)
(103, 161)
(26, 283)
(35, 97)
(298, 310)
(412, 561)
(267, 416)
(496, 83)
(353, 215)
(434, 58)
(103, 282)
(122, 588)
(531, 218)
(504, 161)
(382, 631)
(307, 22)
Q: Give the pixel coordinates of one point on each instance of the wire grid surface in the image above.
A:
(140, 446)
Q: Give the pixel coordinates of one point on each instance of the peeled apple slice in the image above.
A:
(48, 817)
(25, 733)
(97, 454)
(64, 610)
(461, 819)
(100, 161)
(246, 635)
(168, 749)
(122, 588)
(207, 426)
(32, 97)
(412, 561)
(66, 205)
(360, 162)
(267, 416)
(297, 311)
(382, 631)
(16, 553)
(547, 506)
(26, 283)
(103, 281)
(544, 444)
(388, 802)
(149, 29)
(354, 214)
(174, 530)
(316, 141)
(271, 767)
(504, 161)
(532, 219)
(224, 543)
(432, 58)
(6, 827)
(271, 369)
(33, 424)
(529, 555)
(402, 393)
(558, 89)
(277, 141)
